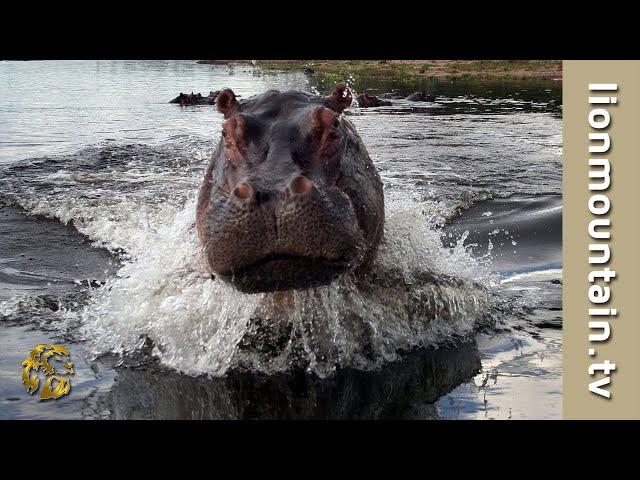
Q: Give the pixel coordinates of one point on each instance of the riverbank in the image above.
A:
(419, 69)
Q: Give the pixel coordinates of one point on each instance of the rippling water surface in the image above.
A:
(94, 156)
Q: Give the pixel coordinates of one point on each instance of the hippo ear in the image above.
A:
(226, 102)
(340, 98)
(325, 131)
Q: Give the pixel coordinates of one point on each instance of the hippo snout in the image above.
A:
(298, 237)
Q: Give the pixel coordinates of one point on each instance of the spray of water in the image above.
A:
(423, 295)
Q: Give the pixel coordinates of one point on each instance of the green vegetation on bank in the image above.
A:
(416, 69)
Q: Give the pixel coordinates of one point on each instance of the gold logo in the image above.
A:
(57, 383)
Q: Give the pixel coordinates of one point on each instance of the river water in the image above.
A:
(98, 176)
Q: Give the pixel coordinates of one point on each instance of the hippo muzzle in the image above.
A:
(290, 199)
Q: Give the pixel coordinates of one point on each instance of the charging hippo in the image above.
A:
(195, 99)
(290, 198)
(366, 101)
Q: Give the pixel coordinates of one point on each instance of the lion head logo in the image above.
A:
(57, 382)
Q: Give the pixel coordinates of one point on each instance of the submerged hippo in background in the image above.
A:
(195, 99)
(421, 97)
(290, 198)
(365, 101)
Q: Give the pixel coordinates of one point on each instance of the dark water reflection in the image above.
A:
(402, 390)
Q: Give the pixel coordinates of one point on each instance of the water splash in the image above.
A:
(423, 295)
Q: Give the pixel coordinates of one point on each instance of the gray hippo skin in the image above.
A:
(366, 101)
(195, 99)
(290, 198)
(421, 97)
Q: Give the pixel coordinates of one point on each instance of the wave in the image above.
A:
(138, 202)
(429, 296)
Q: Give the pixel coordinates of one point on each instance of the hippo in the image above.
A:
(290, 198)
(366, 101)
(391, 96)
(195, 99)
(421, 97)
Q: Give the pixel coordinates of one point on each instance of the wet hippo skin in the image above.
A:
(421, 97)
(366, 101)
(290, 198)
(196, 98)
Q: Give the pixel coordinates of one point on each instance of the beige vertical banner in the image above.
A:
(609, 360)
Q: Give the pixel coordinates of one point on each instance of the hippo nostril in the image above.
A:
(300, 185)
(243, 191)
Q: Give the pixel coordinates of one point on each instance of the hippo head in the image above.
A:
(290, 198)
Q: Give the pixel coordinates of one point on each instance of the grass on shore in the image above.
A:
(403, 69)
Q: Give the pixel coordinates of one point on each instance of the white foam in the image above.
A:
(198, 324)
